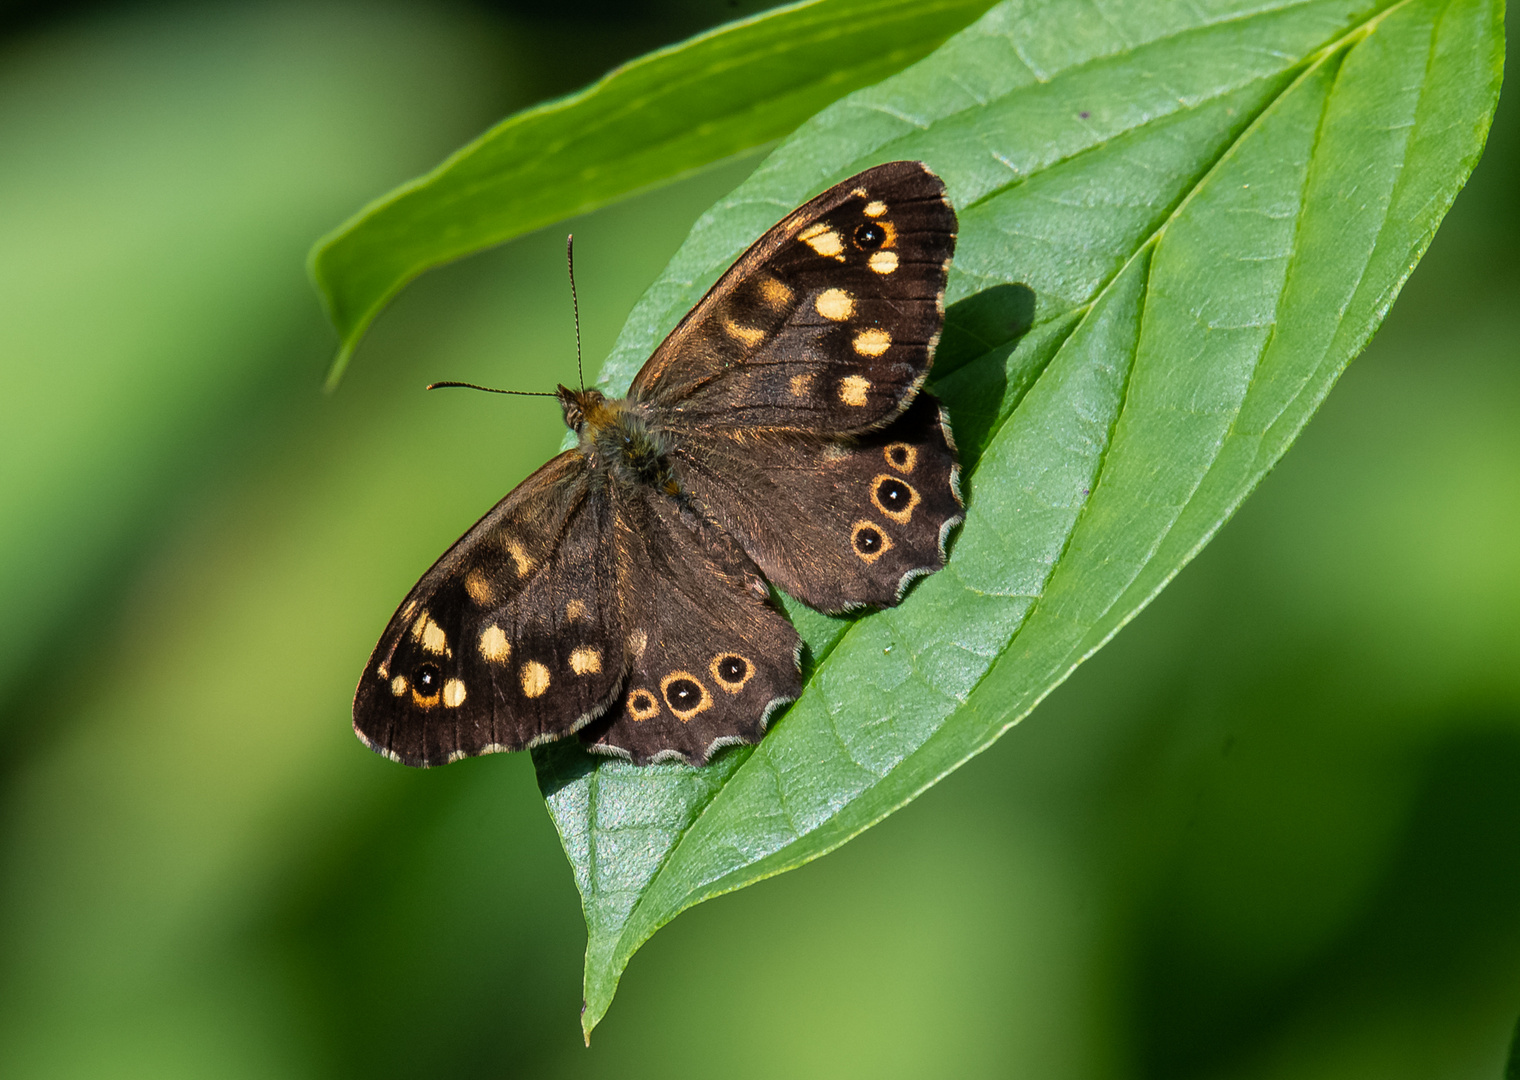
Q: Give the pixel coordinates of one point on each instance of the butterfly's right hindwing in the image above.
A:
(514, 637)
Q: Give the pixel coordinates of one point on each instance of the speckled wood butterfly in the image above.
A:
(778, 434)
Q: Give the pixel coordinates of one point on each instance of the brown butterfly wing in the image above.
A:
(827, 324)
(838, 523)
(710, 656)
(512, 638)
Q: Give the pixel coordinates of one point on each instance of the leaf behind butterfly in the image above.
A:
(646, 123)
(1213, 210)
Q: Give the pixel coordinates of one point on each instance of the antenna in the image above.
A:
(576, 304)
(579, 370)
(491, 389)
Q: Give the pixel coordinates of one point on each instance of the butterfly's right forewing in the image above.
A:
(512, 638)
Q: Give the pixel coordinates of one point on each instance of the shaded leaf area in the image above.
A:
(645, 123)
(1212, 211)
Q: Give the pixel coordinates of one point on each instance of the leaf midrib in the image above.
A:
(1308, 65)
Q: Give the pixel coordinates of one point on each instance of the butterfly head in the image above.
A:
(583, 409)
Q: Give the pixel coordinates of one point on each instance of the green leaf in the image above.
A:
(1211, 210)
(646, 123)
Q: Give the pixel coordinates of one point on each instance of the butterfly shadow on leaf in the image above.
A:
(975, 364)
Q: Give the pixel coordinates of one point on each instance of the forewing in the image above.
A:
(512, 638)
(710, 656)
(826, 325)
(838, 523)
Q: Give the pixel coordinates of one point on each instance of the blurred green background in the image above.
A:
(1273, 830)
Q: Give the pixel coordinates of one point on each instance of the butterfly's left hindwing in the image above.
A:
(514, 637)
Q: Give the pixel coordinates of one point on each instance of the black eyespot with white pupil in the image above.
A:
(867, 540)
(427, 679)
(683, 695)
(870, 236)
(732, 669)
(894, 494)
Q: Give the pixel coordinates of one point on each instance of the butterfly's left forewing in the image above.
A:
(514, 637)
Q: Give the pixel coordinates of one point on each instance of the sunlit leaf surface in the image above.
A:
(648, 122)
(1205, 211)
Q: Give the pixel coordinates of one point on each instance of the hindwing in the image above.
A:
(838, 523)
(710, 656)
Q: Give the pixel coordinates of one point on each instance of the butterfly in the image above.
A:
(778, 437)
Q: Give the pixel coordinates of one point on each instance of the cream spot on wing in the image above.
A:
(776, 294)
(478, 585)
(535, 678)
(398, 685)
(852, 390)
(520, 557)
(800, 384)
(822, 239)
(638, 641)
(859, 193)
(494, 645)
(575, 610)
(748, 336)
(872, 342)
(430, 635)
(453, 693)
(384, 671)
(586, 661)
(835, 304)
(883, 262)
(875, 208)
